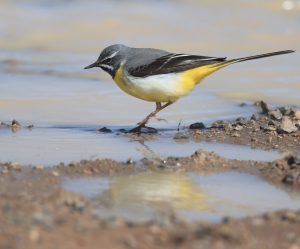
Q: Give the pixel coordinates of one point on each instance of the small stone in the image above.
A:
(235, 134)
(258, 222)
(15, 123)
(289, 215)
(72, 164)
(129, 161)
(264, 107)
(288, 179)
(238, 128)
(255, 117)
(104, 130)
(286, 110)
(297, 115)
(181, 136)
(34, 234)
(293, 159)
(218, 124)
(38, 167)
(276, 114)
(241, 121)
(272, 122)
(197, 126)
(287, 125)
(55, 173)
(271, 128)
(14, 166)
(264, 127)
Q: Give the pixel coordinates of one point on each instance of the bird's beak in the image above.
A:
(95, 64)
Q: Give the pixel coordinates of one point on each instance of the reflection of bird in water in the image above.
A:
(160, 189)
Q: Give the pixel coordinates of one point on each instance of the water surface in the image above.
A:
(192, 196)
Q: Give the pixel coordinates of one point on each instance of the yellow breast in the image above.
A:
(120, 81)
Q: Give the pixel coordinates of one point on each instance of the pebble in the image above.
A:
(55, 173)
(38, 167)
(287, 125)
(258, 222)
(289, 215)
(297, 115)
(275, 114)
(34, 235)
(264, 107)
(235, 134)
(255, 117)
(129, 161)
(238, 128)
(294, 159)
(15, 123)
(197, 126)
(181, 136)
(288, 179)
(178, 164)
(241, 121)
(104, 130)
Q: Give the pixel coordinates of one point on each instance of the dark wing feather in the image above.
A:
(172, 63)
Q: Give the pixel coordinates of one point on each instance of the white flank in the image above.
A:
(164, 87)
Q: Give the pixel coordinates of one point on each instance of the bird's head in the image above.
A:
(110, 59)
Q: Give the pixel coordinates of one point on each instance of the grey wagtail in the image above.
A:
(159, 76)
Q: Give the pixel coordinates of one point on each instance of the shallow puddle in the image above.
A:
(191, 196)
(52, 145)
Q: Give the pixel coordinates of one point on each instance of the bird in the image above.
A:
(160, 76)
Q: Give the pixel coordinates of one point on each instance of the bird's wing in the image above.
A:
(172, 63)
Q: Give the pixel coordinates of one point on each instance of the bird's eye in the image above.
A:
(107, 61)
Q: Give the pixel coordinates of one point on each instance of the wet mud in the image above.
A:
(36, 212)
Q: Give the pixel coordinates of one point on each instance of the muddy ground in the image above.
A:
(36, 213)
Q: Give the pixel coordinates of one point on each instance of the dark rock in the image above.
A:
(104, 130)
(293, 159)
(285, 110)
(197, 126)
(264, 107)
(241, 121)
(288, 179)
(255, 117)
(15, 123)
(272, 122)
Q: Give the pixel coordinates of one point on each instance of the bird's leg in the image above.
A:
(143, 123)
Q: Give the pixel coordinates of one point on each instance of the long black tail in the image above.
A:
(263, 55)
(232, 61)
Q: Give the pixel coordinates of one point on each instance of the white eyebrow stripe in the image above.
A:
(111, 55)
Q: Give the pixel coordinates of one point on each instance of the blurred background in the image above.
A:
(45, 44)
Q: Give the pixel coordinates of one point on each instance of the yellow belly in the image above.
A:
(163, 88)
(190, 78)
